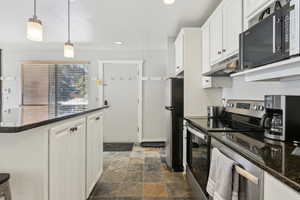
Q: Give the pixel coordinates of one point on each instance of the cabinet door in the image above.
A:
(67, 161)
(78, 161)
(179, 49)
(232, 26)
(100, 146)
(205, 48)
(60, 163)
(275, 190)
(216, 36)
(94, 151)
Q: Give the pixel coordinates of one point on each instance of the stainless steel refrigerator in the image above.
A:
(174, 112)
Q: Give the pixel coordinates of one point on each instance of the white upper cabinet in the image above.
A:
(205, 47)
(232, 26)
(179, 49)
(216, 34)
(226, 23)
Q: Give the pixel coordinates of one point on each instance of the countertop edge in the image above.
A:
(49, 121)
(280, 177)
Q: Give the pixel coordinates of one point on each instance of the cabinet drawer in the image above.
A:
(206, 82)
(275, 190)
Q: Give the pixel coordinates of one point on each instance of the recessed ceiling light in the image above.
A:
(118, 43)
(169, 2)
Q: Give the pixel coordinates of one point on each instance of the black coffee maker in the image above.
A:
(281, 120)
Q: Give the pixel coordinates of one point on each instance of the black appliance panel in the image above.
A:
(174, 144)
(198, 158)
(266, 42)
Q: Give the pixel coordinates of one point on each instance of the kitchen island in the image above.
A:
(52, 153)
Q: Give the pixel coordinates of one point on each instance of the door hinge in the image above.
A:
(138, 129)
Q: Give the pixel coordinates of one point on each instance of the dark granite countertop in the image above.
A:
(280, 159)
(24, 118)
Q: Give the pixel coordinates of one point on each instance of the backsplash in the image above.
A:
(256, 90)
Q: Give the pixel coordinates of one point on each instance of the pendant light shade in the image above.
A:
(69, 50)
(69, 47)
(34, 27)
(169, 2)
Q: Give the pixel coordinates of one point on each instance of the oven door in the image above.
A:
(263, 43)
(198, 156)
(251, 177)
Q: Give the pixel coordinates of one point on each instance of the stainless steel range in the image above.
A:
(237, 116)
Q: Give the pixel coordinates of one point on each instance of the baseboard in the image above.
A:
(153, 144)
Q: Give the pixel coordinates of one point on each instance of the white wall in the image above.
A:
(256, 90)
(196, 99)
(154, 66)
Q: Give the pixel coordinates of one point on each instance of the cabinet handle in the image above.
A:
(224, 50)
(73, 129)
(219, 52)
(97, 118)
(206, 81)
(177, 67)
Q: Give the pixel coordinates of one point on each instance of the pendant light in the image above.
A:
(169, 2)
(69, 47)
(34, 27)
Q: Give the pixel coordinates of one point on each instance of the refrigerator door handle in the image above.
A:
(170, 108)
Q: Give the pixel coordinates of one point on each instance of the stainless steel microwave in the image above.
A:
(273, 39)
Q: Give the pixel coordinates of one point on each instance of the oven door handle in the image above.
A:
(199, 134)
(246, 174)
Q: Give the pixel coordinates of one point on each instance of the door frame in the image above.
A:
(139, 64)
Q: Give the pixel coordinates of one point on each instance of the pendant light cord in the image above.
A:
(69, 21)
(34, 8)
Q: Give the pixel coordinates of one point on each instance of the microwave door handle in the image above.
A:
(274, 34)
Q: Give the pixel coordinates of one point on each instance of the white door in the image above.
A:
(232, 26)
(121, 92)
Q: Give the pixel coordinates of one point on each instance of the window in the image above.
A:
(58, 87)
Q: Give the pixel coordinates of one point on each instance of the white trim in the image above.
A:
(139, 64)
(155, 140)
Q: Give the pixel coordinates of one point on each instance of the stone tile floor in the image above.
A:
(139, 174)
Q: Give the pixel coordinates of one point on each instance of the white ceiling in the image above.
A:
(140, 24)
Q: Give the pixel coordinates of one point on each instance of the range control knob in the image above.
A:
(261, 108)
(255, 107)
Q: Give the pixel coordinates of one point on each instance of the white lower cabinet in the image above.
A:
(94, 151)
(275, 190)
(67, 161)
